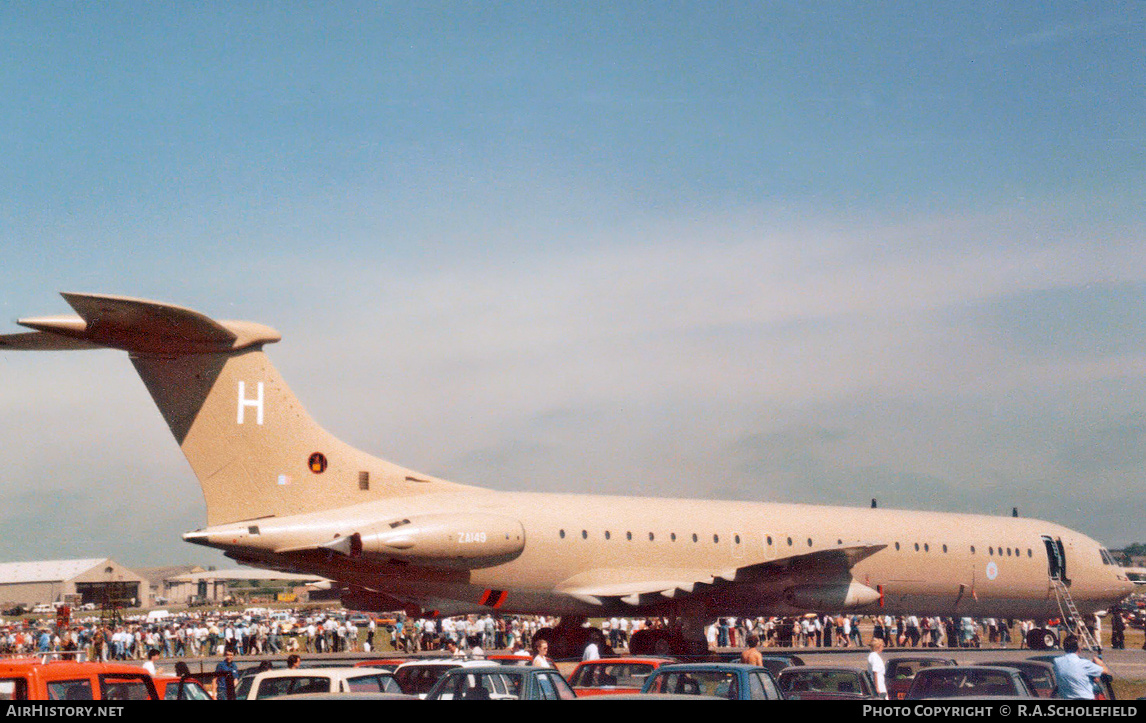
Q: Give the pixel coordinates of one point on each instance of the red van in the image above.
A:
(34, 679)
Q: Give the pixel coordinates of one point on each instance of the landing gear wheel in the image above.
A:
(653, 642)
(643, 642)
(1042, 639)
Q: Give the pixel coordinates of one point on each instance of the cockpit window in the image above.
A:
(1107, 558)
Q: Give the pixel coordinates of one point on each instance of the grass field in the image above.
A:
(1127, 689)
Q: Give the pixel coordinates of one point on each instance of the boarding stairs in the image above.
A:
(1069, 612)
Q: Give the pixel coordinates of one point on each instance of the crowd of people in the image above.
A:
(904, 631)
(212, 634)
(202, 637)
(413, 635)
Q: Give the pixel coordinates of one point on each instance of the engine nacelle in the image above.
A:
(831, 597)
(454, 540)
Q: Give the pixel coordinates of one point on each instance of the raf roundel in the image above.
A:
(317, 463)
(992, 570)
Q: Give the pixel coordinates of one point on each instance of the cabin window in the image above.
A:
(789, 542)
(716, 539)
(672, 537)
(694, 537)
(606, 534)
(917, 547)
(651, 537)
(926, 547)
(972, 549)
(584, 534)
(809, 542)
(561, 534)
(629, 536)
(945, 548)
(991, 551)
(897, 547)
(769, 539)
(736, 539)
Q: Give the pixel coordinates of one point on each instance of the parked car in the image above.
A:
(34, 679)
(510, 659)
(501, 682)
(349, 696)
(970, 681)
(901, 670)
(246, 674)
(390, 664)
(821, 682)
(417, 677)
(1040, 675)
(778, 661)
(277, 683)
(773, 661)
(614, 676)
(169, 687)
(733, 681)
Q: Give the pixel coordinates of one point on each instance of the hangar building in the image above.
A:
(89, 581)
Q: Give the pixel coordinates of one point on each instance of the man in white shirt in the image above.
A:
(592, 651)
(149, 666)
(1074, 673)
(876, 667)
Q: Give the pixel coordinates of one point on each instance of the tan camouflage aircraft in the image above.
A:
(284, 494)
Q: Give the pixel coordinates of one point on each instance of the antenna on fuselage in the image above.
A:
(873, 504)
(1014, 512)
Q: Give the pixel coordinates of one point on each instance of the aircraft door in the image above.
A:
(1056, 559)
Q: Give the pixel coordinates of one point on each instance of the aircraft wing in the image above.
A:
(833, 561)
(803, 580)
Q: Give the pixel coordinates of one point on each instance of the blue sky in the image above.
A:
(815, 252)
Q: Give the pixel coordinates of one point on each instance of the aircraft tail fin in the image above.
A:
(252, 445)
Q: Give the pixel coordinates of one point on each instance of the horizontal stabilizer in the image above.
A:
(42, 341)
(136, 326)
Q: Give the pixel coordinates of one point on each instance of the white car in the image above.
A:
(418, 676)
(276, 683)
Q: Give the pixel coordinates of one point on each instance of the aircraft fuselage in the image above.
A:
(577, 554)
